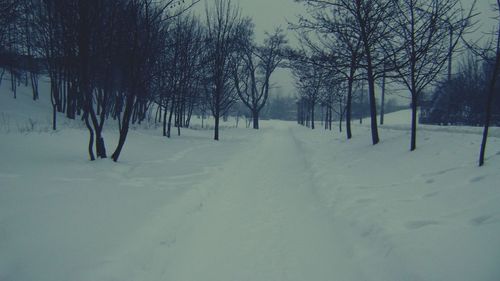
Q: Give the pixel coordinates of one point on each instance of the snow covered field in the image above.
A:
(283, 203)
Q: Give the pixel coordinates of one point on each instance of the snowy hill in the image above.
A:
(22, 112)
(282, 203)
(401, 120)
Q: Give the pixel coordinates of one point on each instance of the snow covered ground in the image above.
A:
(283, 203)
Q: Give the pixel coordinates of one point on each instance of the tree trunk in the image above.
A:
(164, 122)
(91, 137)
(373, 104)
(312, 117)
(255, 115)
(13, 83)
(326, 118)
(414, 108)
(489, 104)
(100, 146)
(121, 142)
(169, 126)
(127, 114)
(216, 129)
(349, 109)
(187, 123)
(485, 138)
(330, 119)
(361, 103)
(219, 92)
(373, 113)
(34, 85)
(158, 114)
(178, 118)
(54, 117)
(341, 116)
(382, 102)
(371, 84)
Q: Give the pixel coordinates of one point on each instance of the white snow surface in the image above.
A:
(281, 203)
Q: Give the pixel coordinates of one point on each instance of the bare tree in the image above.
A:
(337, 41)
(253, 71)
(8, 15)
(310, 80)
(145, 39)
(181, 73)
(223, 23)
(491, 56)
(28, 8)
(419, 47)
(368, 21)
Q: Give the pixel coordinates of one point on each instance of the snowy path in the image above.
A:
(262, 223)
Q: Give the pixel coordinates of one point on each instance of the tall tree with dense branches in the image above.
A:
(252, 73)
(491, 55)
(368, 20)
(419, 48)
(223, 24)
(331, 34)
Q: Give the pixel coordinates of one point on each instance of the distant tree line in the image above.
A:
(409, 43)
(121, 60)
(280, 108)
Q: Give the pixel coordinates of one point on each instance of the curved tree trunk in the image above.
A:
(91, 137)
(127, 115)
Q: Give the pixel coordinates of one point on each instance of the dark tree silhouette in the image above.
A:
(419, 48)
(253, 70)
(335, 41)
(223, 24)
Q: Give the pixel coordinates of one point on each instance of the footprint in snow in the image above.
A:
(477, 179)
(432, 194)
(168, 242)
(419, 224)
(482, 220)
(442, 172)
(430, 181)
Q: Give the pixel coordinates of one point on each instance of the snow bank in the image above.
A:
(427, 215)
(401, 120)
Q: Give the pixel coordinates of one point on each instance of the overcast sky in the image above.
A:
(269, 14)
